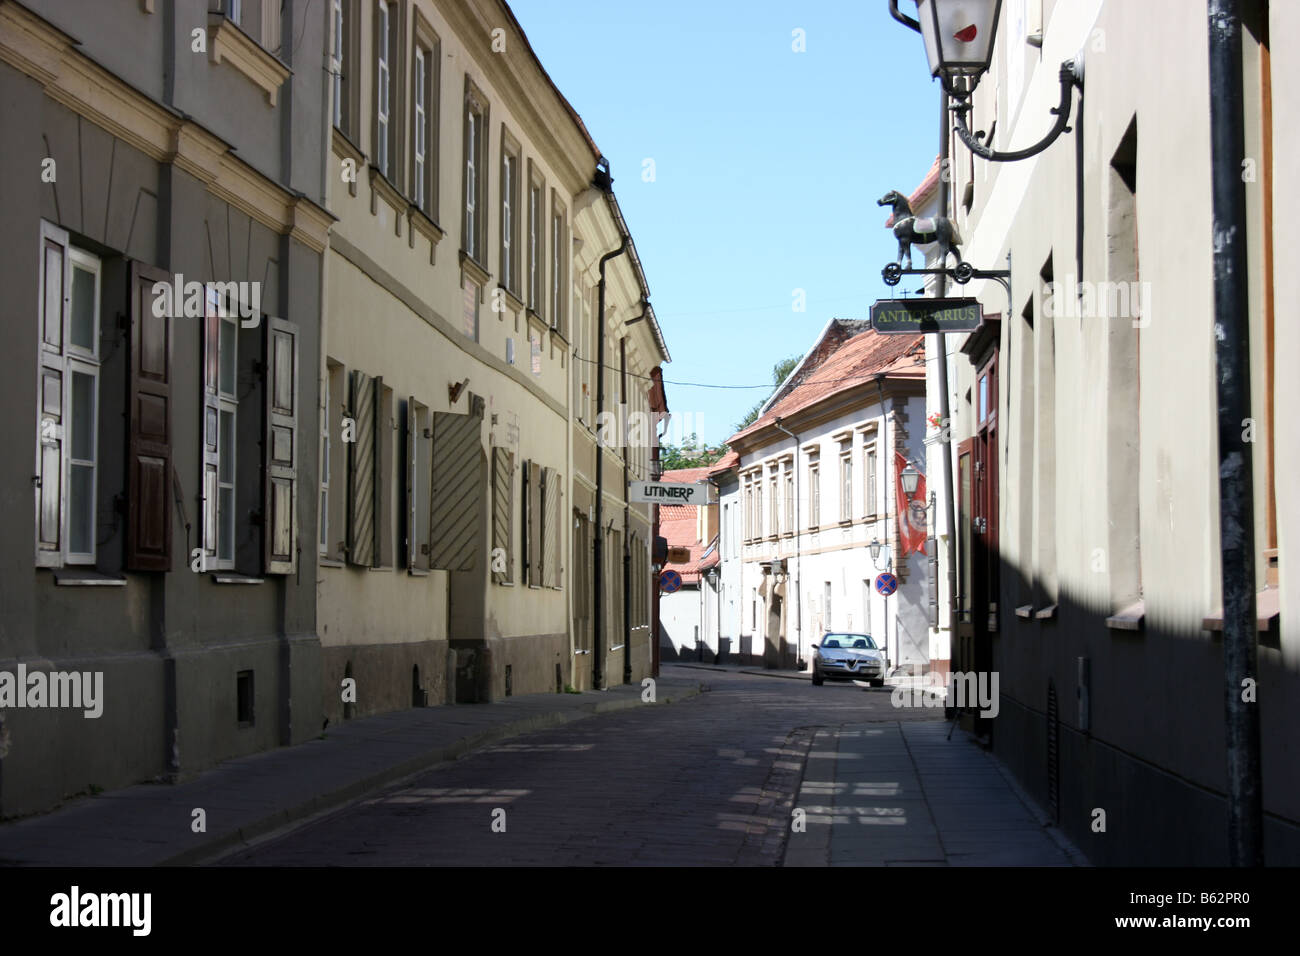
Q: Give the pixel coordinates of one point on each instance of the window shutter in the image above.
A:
(280, 507)
(149, 452)
(551, 528)
(419, 461)
(208, 434)
(457, 489)
(361, 472)
(385, 426)
(503, 504)
(55, 295)
(535, 498)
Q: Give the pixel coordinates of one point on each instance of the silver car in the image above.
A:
(848, 657)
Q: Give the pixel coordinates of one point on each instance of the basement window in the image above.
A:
(244, 698)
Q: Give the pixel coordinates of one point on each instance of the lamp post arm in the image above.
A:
(1071, 77)
(903, 18)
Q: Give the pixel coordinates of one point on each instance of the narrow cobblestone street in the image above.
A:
(708, 781)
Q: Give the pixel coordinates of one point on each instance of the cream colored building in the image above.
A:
(1084, 424)
(458, 287)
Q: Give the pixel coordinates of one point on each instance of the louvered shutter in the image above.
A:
(456, 512)
(535, 549)
(503, 504)
(149, 452)
(280, 538)
(56, 297)
(361, 472)
(550, 528)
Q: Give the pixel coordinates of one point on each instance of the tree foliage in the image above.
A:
(779, 372)
(691, 453)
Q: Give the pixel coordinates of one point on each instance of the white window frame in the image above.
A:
(871, 504)
(509, 177)
(80, 361)
(384, 81)
(336, 62)
(420, 136)
(226, 403)
(475, 120)
(557, 237)
(534, 257)
(234, 11)
(846, 483)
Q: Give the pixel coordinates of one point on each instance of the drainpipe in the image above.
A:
(627, 518)
(950, 490)
(604, 182)
(798, 591)
(1236, 474)
(889, 481)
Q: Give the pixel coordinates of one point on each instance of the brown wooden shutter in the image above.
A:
(361, 472)
(385, 427)
(535, 493)
(419, 461)
(503, 509)
(457, 490)
(550, 528)
(280, 506)
(149, 451)
(525, 522)
(56, 295)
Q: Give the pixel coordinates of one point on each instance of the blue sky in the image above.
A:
(768, 165)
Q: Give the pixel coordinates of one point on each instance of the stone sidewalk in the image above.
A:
(150, 824)
(903, 794)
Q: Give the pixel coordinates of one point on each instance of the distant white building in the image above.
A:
(818, 493)
(684, 634)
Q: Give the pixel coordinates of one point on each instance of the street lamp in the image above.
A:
(875, 549)
(909, 477)
(959, 37)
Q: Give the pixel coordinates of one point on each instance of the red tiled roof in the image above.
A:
(856, 361)
(730, 460)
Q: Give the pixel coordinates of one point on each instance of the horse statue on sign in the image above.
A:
(923, 231)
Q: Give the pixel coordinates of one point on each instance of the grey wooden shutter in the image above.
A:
(550, 528)
(385, 427)
(280, 489)
(503, 509)
(535, 493)
(149, 452)
(457, 490)
(361, 472)
(56, 296)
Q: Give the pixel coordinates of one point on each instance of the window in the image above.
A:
(758, 505)
(774, 505)
(814, 490)
(869, 454)
(337, 430)
(420, 123)
(789, 496)
(558, 261)
(323, 514)
(536, 242)
(385, 33)
(234, 10)
(345, 55)
(67, 452)
(846, 482)
(220, 418)
(475, 179)
(509, 213)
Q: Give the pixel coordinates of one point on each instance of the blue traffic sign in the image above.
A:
(886, 583)
(670, 581)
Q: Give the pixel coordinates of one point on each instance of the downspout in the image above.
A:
(1236, 473)
(627, 518)
(945, 447)
(798, 590)
(603, 182)
(889, 481)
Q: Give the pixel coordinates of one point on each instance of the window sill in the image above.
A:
(1025, 611)
(1129, 618)
(418, 572)
(223, 578)
(513, 302)
(845, 522)
(504, 584)
(228, 43)
(469, 266)
(1046, 613)
(1267, 612)
(382, 186)
(75, 578)
(420, 221)
(346, 149)
(324, 562)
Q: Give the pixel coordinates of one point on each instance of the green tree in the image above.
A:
(689, 454)
(779, 372)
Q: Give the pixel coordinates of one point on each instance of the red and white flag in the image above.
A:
(912, 511)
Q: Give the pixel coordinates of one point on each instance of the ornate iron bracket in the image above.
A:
(1071, 78)
(962, 273)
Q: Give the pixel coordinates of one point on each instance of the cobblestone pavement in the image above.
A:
(708, 781)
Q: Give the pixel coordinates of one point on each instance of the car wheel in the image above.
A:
(816, 677)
